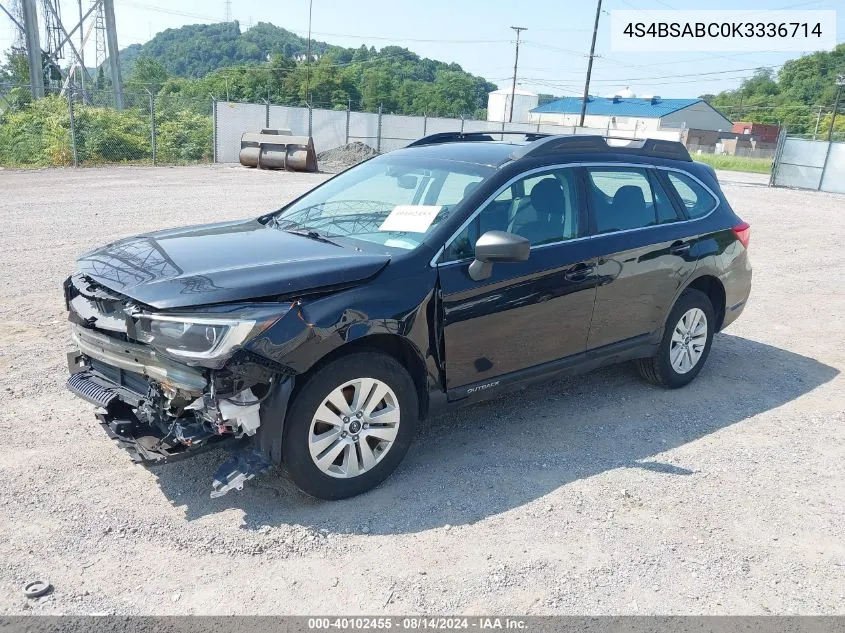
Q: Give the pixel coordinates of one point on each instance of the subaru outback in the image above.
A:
(318, 336)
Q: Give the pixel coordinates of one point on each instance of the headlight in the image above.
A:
(200, 337)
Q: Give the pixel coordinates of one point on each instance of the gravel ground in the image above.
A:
(590, 495)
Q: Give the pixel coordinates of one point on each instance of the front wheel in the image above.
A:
(685, 344)
(350, 425)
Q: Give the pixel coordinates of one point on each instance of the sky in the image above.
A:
(477, 35)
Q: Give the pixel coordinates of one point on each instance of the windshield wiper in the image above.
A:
(312, 234)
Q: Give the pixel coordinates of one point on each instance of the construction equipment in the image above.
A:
(278, 149)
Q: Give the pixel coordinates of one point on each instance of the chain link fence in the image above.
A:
(81, 127)
(77, 127)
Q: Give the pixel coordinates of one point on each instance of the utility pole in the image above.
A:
(114, 58)
(518, 30)
(590, 65)
(33, 48)
(840, 81)
(308, 58)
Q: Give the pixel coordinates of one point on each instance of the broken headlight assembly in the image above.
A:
(205, 338)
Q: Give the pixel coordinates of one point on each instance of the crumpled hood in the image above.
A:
(216, 263)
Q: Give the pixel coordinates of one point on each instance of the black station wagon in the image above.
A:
(316, 337)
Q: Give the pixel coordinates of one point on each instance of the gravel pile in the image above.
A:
(590, 495)
(340, 158)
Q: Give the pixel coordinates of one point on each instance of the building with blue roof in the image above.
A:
(629, 113)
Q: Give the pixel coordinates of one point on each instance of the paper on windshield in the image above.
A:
(410, 218)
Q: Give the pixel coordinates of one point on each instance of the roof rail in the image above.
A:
(450, 137)
(586, 144)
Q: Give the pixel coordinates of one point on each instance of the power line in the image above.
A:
(184, 14)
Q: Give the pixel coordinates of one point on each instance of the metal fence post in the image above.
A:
(152, 124)
(214, 129)
(348, 116)
(824, 165)
(378, 137)
(777, 157)
(266, 114)
(310, 120)
(72, 126)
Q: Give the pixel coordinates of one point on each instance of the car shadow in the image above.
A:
(495, 456)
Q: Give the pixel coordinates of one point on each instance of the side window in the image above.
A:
(663, 206)
(542, 208)
(697, 200)
(627, 198)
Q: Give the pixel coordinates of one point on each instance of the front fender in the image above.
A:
(317, 326)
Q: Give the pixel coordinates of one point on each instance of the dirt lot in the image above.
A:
(597, 494)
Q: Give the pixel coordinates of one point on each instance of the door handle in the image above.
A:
(579, 272)
(679, 247)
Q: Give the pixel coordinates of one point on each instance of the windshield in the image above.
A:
(388, 200)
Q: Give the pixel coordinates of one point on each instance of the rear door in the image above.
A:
(644, 253)
(528, 313)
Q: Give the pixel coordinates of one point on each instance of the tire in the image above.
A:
(313, 416)
(659, 369)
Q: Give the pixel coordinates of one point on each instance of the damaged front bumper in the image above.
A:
(121, 396)
(160, 407)
(160, 411)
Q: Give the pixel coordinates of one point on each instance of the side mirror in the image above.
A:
(497, 246)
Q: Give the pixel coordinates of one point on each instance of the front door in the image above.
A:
(528, 313)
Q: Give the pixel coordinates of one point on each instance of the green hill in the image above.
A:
(195, 50)
(791, 97)
(265, 63)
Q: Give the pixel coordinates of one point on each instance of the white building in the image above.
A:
(632, 114)
(499, 103)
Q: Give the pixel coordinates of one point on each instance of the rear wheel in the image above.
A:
(350, 425)
(685, 344)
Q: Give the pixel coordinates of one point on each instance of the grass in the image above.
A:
(736, 163)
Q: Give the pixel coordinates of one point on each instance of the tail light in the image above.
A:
(743, 233)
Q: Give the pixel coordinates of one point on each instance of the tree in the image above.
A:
(148, 74)
(16, 69)
(377, 89)
(790, 99)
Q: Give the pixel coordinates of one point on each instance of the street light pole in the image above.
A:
(840, 81)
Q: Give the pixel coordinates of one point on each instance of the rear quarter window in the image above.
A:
(696, 199)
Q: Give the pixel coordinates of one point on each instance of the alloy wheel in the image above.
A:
(688, 340)
(354, 428)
